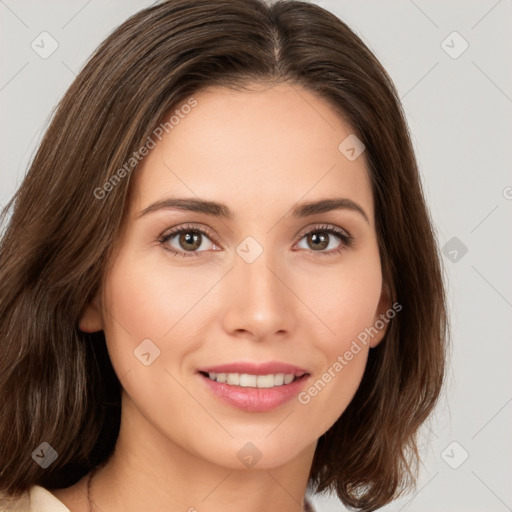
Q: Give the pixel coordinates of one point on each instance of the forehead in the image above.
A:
(253, 149)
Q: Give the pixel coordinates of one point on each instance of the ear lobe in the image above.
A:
(92, 318)
(381, 319)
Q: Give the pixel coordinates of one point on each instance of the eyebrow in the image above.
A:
(220, 210)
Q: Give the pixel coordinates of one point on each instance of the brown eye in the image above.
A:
(322, 240)
(186, 241)
(318, 242)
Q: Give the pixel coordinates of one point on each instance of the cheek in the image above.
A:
(344, 356)
(347, 300)
(148, 300)
(149, 331)
(348, 306)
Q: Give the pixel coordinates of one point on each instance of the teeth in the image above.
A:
(233, 379)
(246, 380)
(288, 378)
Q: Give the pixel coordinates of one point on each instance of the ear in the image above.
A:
(381, 320)
(92, 317)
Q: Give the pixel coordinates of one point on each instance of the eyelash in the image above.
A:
(346, 239)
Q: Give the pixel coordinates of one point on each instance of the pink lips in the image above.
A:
(252, 399)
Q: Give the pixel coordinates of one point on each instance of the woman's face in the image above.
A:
(260, 286)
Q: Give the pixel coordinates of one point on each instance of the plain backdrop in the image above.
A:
(449, 63)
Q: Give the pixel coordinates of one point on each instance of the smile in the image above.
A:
(254, 393)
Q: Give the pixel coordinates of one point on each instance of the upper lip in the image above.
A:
(252, 368)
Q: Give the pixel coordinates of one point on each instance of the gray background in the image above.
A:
(459, 109)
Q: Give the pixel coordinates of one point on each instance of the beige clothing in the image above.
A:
(36, 499)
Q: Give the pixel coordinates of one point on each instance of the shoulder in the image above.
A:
(35, 499)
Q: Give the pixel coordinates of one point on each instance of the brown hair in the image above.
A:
(56, 382)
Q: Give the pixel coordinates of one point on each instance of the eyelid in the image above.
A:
(320, 227)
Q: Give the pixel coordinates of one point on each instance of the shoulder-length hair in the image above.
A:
(56, 382)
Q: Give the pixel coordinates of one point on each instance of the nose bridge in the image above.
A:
(260, 301)
(255, 267)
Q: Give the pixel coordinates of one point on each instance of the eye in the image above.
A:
(189, 240)
(320, 238)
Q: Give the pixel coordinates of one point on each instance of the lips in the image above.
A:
(255, 368)
(288, 382)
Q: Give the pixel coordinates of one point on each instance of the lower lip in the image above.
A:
(255, 399)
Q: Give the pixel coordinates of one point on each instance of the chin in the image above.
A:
(257, 452)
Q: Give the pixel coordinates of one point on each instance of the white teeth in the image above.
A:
(288, 379)
(246, 380)
(233, 379)
(265, 381)
(279, 379)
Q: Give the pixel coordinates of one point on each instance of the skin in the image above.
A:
(259, 152)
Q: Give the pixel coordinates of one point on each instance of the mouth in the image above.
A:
(259, 391)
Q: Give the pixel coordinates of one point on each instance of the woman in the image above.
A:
(219, 284)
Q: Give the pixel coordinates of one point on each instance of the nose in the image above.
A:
(258, 301)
